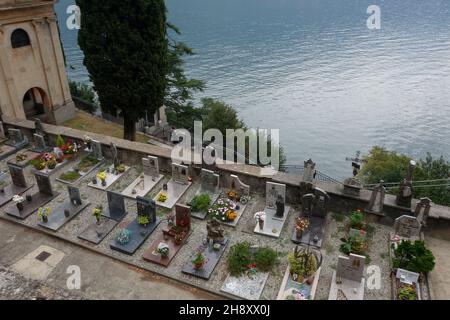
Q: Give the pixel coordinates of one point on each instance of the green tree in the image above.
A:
(125, 48)
(390, 166)
(85, 93)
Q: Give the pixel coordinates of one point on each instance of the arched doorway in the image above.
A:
(36, 104)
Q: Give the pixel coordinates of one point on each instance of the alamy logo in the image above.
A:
(73, 22)
(374, 20)
(74, 280)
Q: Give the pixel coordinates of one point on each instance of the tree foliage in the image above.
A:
(390, 166)
(125, 48)
(85, 93)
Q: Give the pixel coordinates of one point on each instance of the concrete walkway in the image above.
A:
(440, 281)
(101, 277)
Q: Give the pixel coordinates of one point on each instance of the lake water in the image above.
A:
(313, 69)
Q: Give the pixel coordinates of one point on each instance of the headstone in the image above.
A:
(273, 190)
(309, 172)
(39, 129)
(321, 203)
(405, 194)
(74, 195)
(44, 183)
(180, 173)
(146, 208)
(2, 131)
(116, 204)
(114, 154)
(97, 149)
(376, 202)
(407, 226)
(423, 210)
(40, 144)
(17, 176)
(350, 268)
(183, 216)
(307, 204)
(238, 185)
(352, 186)
(16, 137)
(209, 180)
(151, 166)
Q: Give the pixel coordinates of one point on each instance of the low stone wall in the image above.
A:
(132, 152)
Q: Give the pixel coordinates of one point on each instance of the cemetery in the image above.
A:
(219, 230)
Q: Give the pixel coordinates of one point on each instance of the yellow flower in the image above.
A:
(101, 175)
(162, 197)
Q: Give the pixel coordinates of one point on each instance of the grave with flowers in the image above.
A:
(174, 235)
(206, 195)
(16, 142)
(249, 267)
(302, 274)
(18, 186)
(174, 189)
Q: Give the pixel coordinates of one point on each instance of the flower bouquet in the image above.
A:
(162, 197)
(97, 213)
(43, 214)
(163, 250)
(18, 200)
(102, 177)
(221, 209)
(301, 224)
(199, 261)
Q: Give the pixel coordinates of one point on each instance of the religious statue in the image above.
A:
(215, 231)
(280, 207)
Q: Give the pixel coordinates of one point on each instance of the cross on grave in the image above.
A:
(356, 163)
(405, 193)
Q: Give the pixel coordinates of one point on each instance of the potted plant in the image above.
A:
(199, 261)
(43, 214)
(232, 195)
(97, 213)
(163, 250)
(120, 168)
(301, 224)
(123, 236)
(231, 215)
(21, 157)
(143, 220)
(51, 164)
(407, 292)
(162, 197)
(260, 217)
(179, 237)
(29, 197)
(102, 177)
(18, 200)
(66, 213)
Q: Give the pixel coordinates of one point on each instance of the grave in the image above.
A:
(58, 154)
(314, 208)
(173, 237)
(40, 145)
(348, 279)
(95, 233)
(246, 287)
(116, 206)
(37, 200)
(66, 211)
(407, 227)
(138, 232)
(175, 187)
(18, 186)
(422, 210)
(210, 186)
(276, 211)
(212, 250)
(408, 278)
(112, 176)
(17, 141)
(146, 181)
(352, 187)
(84, 166)
(22, 158)
(376, 202)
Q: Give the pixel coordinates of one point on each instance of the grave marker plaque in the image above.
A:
(180, 173)
(407, 226)
(16, 137)
(151, 166)
(40, 144)
(351, 268)
(44, 184)
(183, 216)
(322, 200)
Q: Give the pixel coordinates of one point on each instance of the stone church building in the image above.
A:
(33, 80)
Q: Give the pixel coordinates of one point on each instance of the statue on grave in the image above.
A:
(404, 196)
(114, 154)
(215, 231)
(280, 207)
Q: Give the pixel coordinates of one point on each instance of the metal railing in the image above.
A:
(297, 170)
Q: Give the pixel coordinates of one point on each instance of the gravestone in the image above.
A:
(16, 138)
(74, 195)
(422, 210)
(321, 203)
(116, 206)
(273, 190)
(2, 131)
(40, 144)
(238, 185)
(151, 166)
(97, 149)
(44, 183)
(309, 172)
(407, 226)
(183, 216)
(376, 202)
(39, 129)
(146, 208)
(114, 154)
(405, 193)
(350, 268)
(209, 180)
(180, 173)
(17, 176)
(352, 186)
(307, 204)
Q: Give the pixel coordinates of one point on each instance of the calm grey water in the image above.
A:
(314, 70)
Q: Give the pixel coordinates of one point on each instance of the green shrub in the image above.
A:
(265, 258)
(60, 141)
(303, 265)
(357, 220)
(239, 258)
(414, 257)
(200, 203)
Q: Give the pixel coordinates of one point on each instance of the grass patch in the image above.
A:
(338, 217)
(70, 176)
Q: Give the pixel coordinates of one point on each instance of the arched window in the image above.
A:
(20, 38)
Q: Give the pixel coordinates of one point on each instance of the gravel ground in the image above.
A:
(15, 287)
(242, 232)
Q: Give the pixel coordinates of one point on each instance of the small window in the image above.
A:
(20, 38)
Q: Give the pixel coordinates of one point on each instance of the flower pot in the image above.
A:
(261, 224)
(94, 180)
(29, 197)
(67, 213)
(19, 206)
(299, 234)
(103, 183)
(44, 219)
(199, 266)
